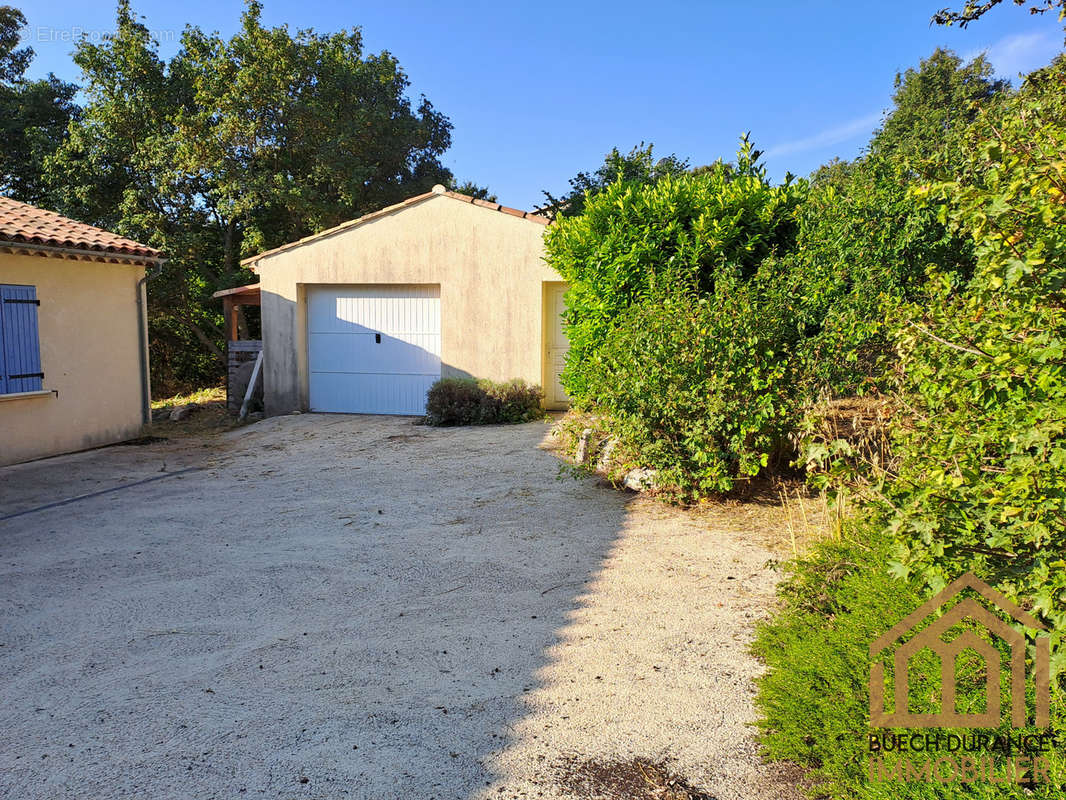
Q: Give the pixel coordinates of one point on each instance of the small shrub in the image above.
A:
(465, 401)
(514, 401)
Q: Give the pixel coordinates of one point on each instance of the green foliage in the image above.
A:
(981, 482)
(637, 242)
(472, 189)
(671, 334)
(637, 166)
(233, 146)
(790, 288)
(975, 9)
(34, 114)
(814, 699)
(700, 387)
(864, 245)
(933, 107)
(465, 401)
(977, 480)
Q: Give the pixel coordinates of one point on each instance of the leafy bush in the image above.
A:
(677, 336)
(976, 476)
(814, 699)
(465, 401)
(636, 242)
(699, 387)
(515, 400)
(981, 482)
(864, 246)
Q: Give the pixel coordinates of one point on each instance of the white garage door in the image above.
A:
(372, 349)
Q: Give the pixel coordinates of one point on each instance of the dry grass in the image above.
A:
(209, 394)
(862, 422)
(208, 416)
(782, 515)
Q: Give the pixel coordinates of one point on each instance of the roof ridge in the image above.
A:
(477, 201)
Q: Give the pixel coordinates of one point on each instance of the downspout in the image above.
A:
(142, 339)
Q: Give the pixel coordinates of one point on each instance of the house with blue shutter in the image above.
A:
(73, 334)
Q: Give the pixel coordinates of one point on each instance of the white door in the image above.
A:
(558, 345)
(372, 349)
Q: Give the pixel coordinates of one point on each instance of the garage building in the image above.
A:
(364, 317)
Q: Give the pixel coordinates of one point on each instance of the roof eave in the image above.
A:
(80, 254)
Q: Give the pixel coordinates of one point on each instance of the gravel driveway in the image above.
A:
(330, 607)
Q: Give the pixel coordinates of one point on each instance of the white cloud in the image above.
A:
(1020, 52)
(844, 132)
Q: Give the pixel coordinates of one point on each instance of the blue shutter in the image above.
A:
(20, 365)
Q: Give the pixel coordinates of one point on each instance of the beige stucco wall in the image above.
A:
(489, 266)
(87, 322)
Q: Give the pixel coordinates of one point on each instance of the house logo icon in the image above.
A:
(936, 638)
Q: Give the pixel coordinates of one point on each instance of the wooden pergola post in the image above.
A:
(229, 313)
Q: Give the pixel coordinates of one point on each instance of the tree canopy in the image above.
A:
(639, 165)
(233, 146)
(34, 114)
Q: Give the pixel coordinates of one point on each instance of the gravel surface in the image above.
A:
(332, 607)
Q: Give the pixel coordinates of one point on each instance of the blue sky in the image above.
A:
(538, 91)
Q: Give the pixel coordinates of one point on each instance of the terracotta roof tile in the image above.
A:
(25, 224)
(438, 191)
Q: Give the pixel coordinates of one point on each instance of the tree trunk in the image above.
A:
(229, 248)
(205, 339)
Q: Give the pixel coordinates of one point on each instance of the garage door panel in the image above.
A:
(366, 393)
(372, 349)
(329, 352)
(395, 310)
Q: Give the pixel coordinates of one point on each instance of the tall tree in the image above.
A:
(34, 114)
(933, 105)
(639, 165)
(474, 190)
(864, 244)
(236, 145)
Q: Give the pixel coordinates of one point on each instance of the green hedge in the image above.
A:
(702, 388)
(678, 336)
